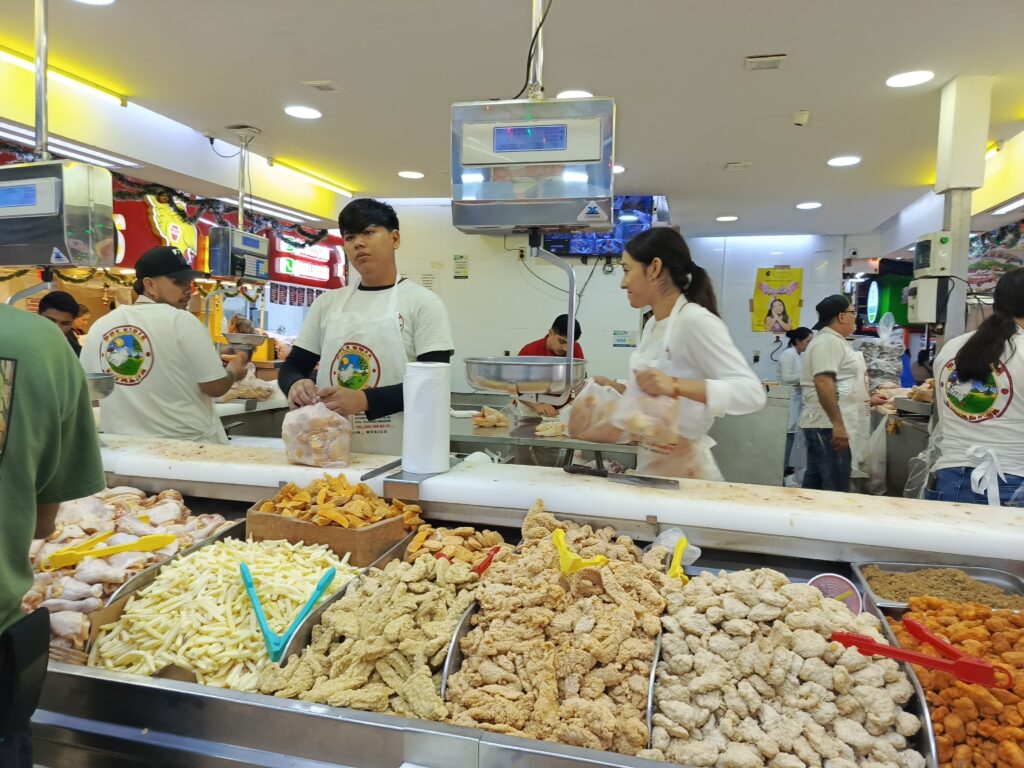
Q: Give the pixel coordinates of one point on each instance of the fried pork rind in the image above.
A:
(381, 646)
(560, 658)
(332, 501)
(465, 545)
(748, 677)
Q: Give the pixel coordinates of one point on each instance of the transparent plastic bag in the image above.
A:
(651, 418)
(876, 459)
(316, 436)
(884, 355)
(590, 415)
(668, 539)
(249, 387)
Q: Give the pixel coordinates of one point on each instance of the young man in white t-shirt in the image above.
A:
(362, 336)
(164, 363)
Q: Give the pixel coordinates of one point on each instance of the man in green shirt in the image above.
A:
(49, 453)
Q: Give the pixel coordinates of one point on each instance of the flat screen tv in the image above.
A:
(632, 215)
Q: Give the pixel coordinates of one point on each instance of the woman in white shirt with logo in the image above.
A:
(685, 352)
(981, 416)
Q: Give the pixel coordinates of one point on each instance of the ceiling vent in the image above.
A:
(744, 166)
(324, 86)
(771, 61)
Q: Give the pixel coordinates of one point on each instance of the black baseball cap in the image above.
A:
(166, 261)
(829, 309)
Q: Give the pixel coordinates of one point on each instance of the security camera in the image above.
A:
(854, 253)
(801, 117)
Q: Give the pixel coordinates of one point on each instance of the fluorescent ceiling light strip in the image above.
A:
(56, 141)
(28, 63)
(30, 142)
(311, 177)
(269, 208)
(1009, 207)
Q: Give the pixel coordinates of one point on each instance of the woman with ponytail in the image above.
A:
(685, 352)
(981, 416)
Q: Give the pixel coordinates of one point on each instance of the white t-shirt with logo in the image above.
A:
(159, 356)
(989, 413)
(422, 316)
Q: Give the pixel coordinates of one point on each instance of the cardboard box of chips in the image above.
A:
(346, 518)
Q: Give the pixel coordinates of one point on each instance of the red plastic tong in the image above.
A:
(969, 669)
(477, 569)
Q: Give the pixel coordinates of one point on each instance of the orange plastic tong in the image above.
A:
(969, 669)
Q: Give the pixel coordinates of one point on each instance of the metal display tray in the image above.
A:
(1008, 582)
(926, 736)
(906, 405)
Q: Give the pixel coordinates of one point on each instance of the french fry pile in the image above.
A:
(464, 545)
(332, 501)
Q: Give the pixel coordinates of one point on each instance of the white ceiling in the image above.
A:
(675, 67)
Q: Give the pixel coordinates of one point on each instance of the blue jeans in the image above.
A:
(954, 484)
(827, 468)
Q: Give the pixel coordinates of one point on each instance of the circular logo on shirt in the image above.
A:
(977, 400)
(127, 353)
(355, 367)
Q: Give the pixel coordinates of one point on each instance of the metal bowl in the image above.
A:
(245, 339)
(523, 375)
(100, 385)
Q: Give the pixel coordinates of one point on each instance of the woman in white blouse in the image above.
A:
(790, 368)
(685, 352)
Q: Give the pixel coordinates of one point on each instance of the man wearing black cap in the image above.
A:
(164, 363)
(828, 385)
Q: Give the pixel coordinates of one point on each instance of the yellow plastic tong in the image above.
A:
(74, 554)
(570, 562)
(675, 570)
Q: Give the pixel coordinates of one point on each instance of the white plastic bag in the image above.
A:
(668, 539)
(590, 415)
(884, 355)
(648, 417)
(876, 459)
(249, 387)
(317, 436)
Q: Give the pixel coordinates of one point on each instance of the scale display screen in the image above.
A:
(527, 138)
(22, 195)
(250, 242)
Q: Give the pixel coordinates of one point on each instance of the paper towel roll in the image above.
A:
(426, 432)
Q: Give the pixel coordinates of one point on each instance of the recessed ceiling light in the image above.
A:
(843, 161)
(618, 169)
(96, 2)
(727, 218)
(574, 95)
(908, 79)
(810, 205)
(303, 113)
(410, 174)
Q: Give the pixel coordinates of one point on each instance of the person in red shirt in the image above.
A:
(556, 343)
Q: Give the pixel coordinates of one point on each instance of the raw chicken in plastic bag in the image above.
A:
(648, 417)
(317, 436)
(249, 387)
(884, 355)
(590, 415)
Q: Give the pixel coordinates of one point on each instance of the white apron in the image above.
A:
(690, 457)
(853, 406)
(363, 352)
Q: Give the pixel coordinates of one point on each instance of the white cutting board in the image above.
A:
(925, 526)
(257, 462)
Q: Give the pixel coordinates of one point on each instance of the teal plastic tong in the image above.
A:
(277, 643)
